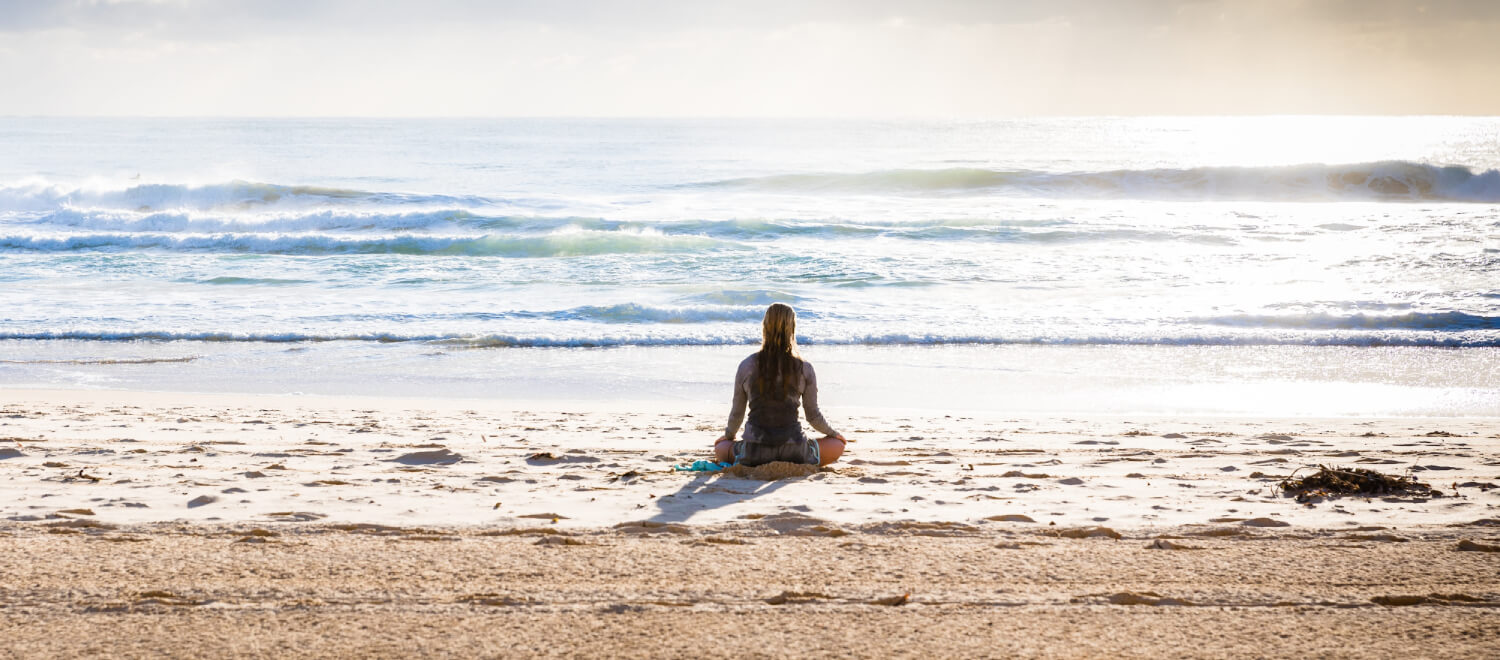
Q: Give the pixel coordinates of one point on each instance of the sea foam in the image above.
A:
(557, 244)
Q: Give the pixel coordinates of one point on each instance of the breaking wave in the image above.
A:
(557, 244)
(734, 338)
(1381, 181)
(1444, 321)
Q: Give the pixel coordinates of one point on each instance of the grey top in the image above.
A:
(807, 389)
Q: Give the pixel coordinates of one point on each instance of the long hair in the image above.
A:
(778, 365)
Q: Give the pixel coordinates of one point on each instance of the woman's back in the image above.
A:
(773, 406)
(773, 414)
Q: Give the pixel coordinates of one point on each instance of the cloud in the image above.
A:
(765, 58)
(184, 18)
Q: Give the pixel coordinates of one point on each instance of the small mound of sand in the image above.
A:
(202, 500)
(549, 458)
(1381, 538)
(786, 597)
(651, 527)
(1145, 598)
(1017, 474)
(1087, 533)
(522, 531)
(917, 528)
(1163, 544)
(297, 516)
(78, 523)
(1473, 546)
(773, 471)
(790, 523)
(1221, 532)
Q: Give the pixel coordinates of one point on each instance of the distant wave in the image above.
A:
(558, 244)
(322, 220)
(231, 195)
(1382, 181)
(259, 206)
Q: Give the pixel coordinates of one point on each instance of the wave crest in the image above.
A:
(1380, 181)
(557, 244)
(1432, 339)
(1441, 321)
(236, 195)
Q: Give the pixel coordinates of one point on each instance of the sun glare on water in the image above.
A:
(1267, 141)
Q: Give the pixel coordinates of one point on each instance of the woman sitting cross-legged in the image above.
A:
(773, 381)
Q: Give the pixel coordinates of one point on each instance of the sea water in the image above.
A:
(1264, 265)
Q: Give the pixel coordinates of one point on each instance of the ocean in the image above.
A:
(1246, 266)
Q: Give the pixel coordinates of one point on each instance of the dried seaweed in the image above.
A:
(1333, 481)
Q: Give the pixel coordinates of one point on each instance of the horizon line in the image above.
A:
(949, 118)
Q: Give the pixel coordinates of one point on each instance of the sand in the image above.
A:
(138, 524)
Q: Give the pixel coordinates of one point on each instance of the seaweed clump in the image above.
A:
(1335, 481)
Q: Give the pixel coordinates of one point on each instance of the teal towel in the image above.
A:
(702, 466)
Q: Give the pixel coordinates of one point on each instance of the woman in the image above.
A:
(772, 381)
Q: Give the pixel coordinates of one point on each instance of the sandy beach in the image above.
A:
(143, 524)
(1157, 329)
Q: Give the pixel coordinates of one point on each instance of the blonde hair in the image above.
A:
(778, 365)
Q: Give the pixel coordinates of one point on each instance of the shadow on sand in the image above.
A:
(712, 490)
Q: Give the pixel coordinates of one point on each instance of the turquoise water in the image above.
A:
(215, 243)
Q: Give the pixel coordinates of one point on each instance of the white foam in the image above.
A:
(557, 244)
(735, 334)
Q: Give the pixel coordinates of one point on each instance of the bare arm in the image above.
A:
(810, 401)
(741, 397)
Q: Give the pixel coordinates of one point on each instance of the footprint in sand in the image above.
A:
(548, 458)
(432, 457)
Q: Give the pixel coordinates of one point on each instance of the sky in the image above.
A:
(761, 58)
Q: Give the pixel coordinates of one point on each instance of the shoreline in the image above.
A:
(1031, 380)
(404, 402)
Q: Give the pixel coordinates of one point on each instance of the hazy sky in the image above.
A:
(941, 58)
